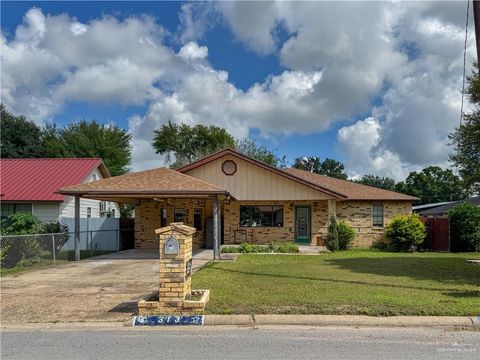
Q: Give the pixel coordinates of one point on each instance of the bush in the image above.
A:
(21, 224)
(287, 248)
(16, 249)
(405, 232)
(54, 228)
(464, 227)
(346, 234)
(332, 236)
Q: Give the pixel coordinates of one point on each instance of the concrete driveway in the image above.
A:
(104, 288)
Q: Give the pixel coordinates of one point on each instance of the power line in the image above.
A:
(464, 62)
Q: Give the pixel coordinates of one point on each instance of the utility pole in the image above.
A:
(476, 22)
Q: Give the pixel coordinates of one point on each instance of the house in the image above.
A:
(30, 185)
(235, 198)
(441, 209)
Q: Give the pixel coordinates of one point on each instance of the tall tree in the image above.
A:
(20, 138)
(432, 185)
(466, 138)
(333, 168)
(189, 143)
(327, 167)
(260, 152)
(385, 183)
(91, 139)
(308, 163)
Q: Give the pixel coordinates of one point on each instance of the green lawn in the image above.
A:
(346, 282)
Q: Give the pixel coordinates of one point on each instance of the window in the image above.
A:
(197, 219)
(261, 216)
(163, 217)
(113, 213)
(179, 215)
(15, 208)
(89, 212)
(377, 214)
(103, 207)
(94, 177)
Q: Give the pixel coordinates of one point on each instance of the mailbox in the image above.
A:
(172, 246)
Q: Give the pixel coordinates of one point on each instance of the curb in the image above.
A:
(253, 321)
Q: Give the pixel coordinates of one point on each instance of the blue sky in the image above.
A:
(305, 79)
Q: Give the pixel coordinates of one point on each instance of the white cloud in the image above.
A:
(192, 51)
(400, 62)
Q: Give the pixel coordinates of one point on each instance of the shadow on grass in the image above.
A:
(451, 270)
(320, 279)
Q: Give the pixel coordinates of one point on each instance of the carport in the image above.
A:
(161, 196)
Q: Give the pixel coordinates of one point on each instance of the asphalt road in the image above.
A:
(225, 343)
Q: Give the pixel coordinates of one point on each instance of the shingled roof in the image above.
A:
(160, 181)
(351, 190)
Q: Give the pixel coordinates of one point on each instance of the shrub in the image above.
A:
(54, 228)
(251, 248)
(21, 224)
(287, 248)
(16, 249)
(464, 227)
(405, 232)
(346, 234)
(332, 236)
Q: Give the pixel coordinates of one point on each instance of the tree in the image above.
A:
(332, 234)
(385, 183)
(91, 139)
(466, 138)
(405, 232)
(20, 138)
(259, 152)
(432, 185)
(328, 167)
(308, 163)
(464, 227)
(189, 143)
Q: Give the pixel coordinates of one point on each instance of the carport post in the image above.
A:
(77, 228)
(216, 225)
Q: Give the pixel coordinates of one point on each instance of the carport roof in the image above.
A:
(160, 181)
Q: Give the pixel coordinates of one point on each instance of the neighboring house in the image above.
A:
(30, 186)
(257, 202)
(441, 209)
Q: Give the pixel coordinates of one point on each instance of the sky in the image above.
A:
(376, 85)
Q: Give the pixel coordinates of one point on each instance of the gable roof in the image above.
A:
(342, 189)
(160, 181)
(39, 179)
(221, 153)
(351, 190)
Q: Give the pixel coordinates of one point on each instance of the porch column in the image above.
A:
(77, 228)
(216, 226)
(332, 208)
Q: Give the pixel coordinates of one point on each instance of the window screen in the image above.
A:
(377, 215)
(179, 215)
(261, 216)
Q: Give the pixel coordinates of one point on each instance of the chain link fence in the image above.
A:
(23, 251)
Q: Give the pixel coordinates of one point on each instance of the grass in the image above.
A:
(346, 282)
(45, 260)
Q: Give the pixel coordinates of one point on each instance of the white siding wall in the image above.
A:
(67, 208)
(46, 211)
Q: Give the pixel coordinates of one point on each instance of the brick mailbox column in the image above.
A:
(175, 291)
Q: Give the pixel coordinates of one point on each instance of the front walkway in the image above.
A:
(104, 288)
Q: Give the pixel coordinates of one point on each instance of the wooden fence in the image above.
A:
(438, 234)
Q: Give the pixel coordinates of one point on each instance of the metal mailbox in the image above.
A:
(172, 246)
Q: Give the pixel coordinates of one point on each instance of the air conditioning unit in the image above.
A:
(103, 207)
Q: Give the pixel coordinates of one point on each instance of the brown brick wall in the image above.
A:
(147, 219)
(233, 233)
(358, 214)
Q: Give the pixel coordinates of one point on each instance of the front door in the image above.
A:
(302, 224)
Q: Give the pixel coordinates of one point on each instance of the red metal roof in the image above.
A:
(39, 179)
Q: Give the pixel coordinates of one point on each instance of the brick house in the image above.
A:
(231, 198)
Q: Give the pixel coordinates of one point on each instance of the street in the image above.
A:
(240, 343)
